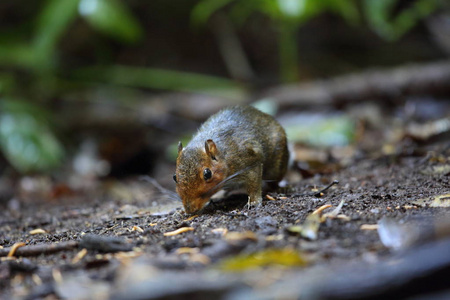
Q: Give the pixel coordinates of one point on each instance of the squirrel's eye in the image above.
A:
(175, 177)
(207, 174)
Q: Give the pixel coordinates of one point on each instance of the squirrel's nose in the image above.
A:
(194, 206)
(188, 209)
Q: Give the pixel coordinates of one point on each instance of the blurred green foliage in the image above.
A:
(288, 15)
(382, 19)
(25, 137)
(321, 130)
(31, 58)
(112, 18)
(287, 257)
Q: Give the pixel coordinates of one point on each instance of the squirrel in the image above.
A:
(238, 147)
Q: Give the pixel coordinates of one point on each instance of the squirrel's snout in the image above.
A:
(194, 206)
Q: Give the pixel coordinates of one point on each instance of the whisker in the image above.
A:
(172, 195)
(232, 176)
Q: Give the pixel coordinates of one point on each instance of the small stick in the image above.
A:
(35, 250)
(79, 256)
(318, 193)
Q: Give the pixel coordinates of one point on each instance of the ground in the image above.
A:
(389, 218)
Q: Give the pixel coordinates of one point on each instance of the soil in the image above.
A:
(140, 261)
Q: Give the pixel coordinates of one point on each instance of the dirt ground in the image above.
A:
(119, 239)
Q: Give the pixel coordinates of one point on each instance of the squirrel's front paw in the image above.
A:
(253, 202)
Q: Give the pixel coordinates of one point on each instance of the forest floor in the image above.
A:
(383, 231)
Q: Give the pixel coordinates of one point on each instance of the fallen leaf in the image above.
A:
(221, 231)
(441, 201)
(271, 257)
(310, 226)
(200, 258)
(335, 212)
(437, 170)
(343, 217)
(395, 235)
(237, 236)
(187, 250)
(430, 129)
(437, 201)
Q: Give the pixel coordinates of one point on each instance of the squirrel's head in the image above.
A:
(199, 170)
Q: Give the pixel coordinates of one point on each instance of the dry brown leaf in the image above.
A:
(441, 201)
(437, 201)
(222, 231)
(129, 254)
(36, 279)
(343, 217)
(237, 236)
(200, 258)
(277, 237)
(187, 250)
(57, 276)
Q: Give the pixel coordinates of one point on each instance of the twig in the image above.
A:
(35, 250)
(105, 243)
(318, 193)
(417, 79)
(231, 49)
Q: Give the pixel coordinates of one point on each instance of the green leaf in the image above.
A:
(347, 9)
(325, 130)
(301, 10)
(7, 82)
(292, 8)
(204, 9)
(17, 55)
(271, 257)
(164, 80)
(379, 16)
(26, 139)
(53, 22)
(112, 18)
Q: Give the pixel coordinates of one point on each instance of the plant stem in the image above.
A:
(288, 52)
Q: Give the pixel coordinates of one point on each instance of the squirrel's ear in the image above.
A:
(180, 147)
(211, 149)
